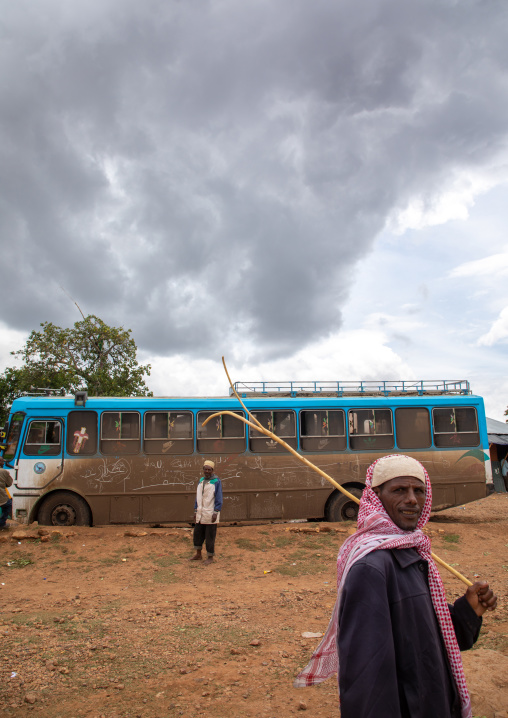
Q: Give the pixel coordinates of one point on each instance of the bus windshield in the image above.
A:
(13, 436)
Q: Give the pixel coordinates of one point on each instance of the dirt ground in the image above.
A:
(98, 623)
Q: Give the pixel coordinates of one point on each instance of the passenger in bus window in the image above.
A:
(207, 512)
(393, 639)
(5, 498)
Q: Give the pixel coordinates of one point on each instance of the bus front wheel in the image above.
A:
(342, 508)
(64, 508)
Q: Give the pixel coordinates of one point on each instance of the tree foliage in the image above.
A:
(91, 355)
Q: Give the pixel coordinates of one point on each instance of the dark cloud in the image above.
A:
(194, 170)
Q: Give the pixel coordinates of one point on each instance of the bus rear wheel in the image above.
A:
(63, 508)
(342, 508)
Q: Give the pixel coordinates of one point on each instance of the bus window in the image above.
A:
(455, 427)
(322, 430)
(224, 434)
(120, 432)
(281, 423)
(168, 432)
(13, 436)
(413, 428)
(370, 429)
(43, 439)
(82, 433)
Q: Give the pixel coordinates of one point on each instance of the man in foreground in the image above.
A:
(207, 512)
(393, 639)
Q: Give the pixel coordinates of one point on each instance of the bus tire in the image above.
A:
(342, 508)
(64, 508)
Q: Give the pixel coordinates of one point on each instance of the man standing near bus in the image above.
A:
(5, 499)
(504, 470)
(393, 639)
(207, 512)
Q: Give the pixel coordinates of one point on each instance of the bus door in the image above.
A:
(40, 460)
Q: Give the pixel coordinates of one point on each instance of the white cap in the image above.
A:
(209, 463)
(391, 467)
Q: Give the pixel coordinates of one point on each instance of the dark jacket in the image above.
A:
(393, 662)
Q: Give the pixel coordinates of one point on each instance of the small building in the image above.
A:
(498, 445)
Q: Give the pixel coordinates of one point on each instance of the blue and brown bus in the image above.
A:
(103, 460)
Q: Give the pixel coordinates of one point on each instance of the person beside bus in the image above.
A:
(207, 512)
(504, 470)
(393, 639)
(5, 499)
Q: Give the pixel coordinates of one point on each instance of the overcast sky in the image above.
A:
(317, 190)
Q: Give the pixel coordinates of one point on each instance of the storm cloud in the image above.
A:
(202, 170)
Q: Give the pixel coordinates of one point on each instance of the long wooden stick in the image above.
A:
(451, 569)
(286, 446)
(241, 402)
(258, 427)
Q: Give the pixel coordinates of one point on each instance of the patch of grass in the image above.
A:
(24, 559)
(34, 639)
(20, 619)
(451, 538)
(320, 540)
(249, 546)
(109, 560)
(123, 552)
(309, 565)
(35, 619)
(286, 570)
(165, 561)
(191, 634)
(165, 576)
(112, 606)
(59, 546)
(70, 629)
(282, 541)
(494, 641)
(95, 627)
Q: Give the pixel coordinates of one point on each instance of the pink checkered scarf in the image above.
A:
(377, 531)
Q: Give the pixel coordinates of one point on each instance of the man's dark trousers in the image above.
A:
(206, 533)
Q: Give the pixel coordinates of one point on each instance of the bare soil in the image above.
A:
(97, 623)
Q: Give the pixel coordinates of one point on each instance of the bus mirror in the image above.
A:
(80, 398)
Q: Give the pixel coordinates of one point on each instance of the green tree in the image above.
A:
(91, 355)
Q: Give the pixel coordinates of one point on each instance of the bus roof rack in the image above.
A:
(390, 387)
(44, 391)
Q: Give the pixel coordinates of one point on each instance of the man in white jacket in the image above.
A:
(207, 512)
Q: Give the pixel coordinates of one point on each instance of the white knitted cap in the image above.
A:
(391, 467)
